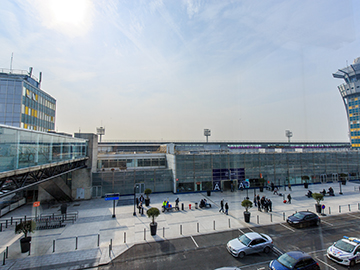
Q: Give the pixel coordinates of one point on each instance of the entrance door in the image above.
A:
(96, 191)
(140, 188)
(323, 178)
(335, 177)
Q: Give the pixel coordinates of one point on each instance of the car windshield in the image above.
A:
(244, 239)
(298, 215)
(344, 246)
(287, 260)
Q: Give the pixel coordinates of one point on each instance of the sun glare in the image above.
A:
(72, 17)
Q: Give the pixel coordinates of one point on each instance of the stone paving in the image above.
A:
(95, 228)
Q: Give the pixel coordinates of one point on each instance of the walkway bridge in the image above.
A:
(30, 158)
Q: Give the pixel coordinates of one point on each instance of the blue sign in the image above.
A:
(112, 196)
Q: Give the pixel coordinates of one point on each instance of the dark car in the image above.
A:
(294, 260)
(303, 219)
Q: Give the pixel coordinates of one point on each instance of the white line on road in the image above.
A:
(328, 265)
(241, 231)
(353, 216)
(194, 241)
(322, 221)
(287, 227)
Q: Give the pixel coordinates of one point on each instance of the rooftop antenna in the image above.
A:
(40, 79)
(11, 61)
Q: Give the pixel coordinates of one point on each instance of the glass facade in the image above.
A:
(23, 104)
(20, 148)
(195, 172)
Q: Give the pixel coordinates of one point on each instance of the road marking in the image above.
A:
(241, 231)
(278, 250)
(328, 265)
(287, 227)
(353, 216)
(322, 221)
(194, 241)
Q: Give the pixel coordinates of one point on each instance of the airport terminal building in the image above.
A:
(192, 167)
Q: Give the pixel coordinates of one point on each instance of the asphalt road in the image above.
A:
(209, 251)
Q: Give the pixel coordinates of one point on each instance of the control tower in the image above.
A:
(350, 92)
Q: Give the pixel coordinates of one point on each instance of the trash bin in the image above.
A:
(209, 193)
(63, 208)
(196, 205)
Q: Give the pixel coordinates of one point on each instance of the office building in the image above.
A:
(350, 92)
(23, 104)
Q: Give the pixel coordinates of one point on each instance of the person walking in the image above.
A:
(226, 208)
(289, 198)
(289, 186)
(269, 202)
(221, 206)
(255, 201)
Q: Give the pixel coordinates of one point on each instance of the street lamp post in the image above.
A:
(134, 214)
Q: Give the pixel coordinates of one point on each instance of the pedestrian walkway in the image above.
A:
(96, 238)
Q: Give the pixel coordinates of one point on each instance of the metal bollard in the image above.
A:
(180, 229)
(349, 208)
(6, 224)
(76, 243)
(109, 251)
(257, 219)
(98, 243)
(198, 227)
(53, 245)
(7, 252)
(11, 220)
(145, 234)
(124, 237)
(25, 219)
(182, 206)
(189, 206)
(271, 217)
(29, 248)
(0, 227)
(329, 211)
(111, 243)
(15, 226)
(339, 208)
(284, 216)
(164, 232)
(214, 225)
(229, 223)
(358, 206)
(4, 259)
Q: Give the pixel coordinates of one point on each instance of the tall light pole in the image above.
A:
(207, 133)
(134, 214)
(288, 134)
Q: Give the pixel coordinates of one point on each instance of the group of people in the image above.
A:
(139, 203)
(222, 207)
(263, 203)
(204, 203)
(330, 192)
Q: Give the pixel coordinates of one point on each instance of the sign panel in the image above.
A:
(112, 196)
(36, 204)
(229, 174)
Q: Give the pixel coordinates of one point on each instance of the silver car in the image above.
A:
(249, 243)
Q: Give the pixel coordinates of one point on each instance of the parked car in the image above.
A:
(294, 260)
(303, 219)
(346, 251)
(249, 243)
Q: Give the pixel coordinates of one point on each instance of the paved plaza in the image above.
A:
(86, 242)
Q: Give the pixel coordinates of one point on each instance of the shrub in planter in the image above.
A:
(318, 197)
(25, 227)
(152, 213)
(147, 193)
(246, 204)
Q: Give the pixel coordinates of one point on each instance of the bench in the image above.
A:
(169, 208)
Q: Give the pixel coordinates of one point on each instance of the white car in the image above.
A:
(346, 251)
(249, 243)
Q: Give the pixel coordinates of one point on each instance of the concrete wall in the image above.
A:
(81, 187)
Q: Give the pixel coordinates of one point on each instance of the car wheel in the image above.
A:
(267, 249)
(241, 255)
(352, 263)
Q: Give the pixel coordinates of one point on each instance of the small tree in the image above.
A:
(262, 182)
(318, 197)
(305, 178)
(153, 212)
(147, 192)
(247, 204)
(25, 227)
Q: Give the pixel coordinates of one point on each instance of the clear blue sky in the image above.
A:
(166, 70)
